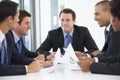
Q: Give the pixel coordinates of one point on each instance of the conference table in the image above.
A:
(62, 73)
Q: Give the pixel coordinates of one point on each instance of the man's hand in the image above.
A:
(95, 53)
(85, 63)
(80, 54)
(48, 63)
(50, 56)
(40, 57)
(35, 66)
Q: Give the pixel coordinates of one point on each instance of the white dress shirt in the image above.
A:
(2, 36)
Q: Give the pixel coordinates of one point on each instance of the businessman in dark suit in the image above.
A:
(102, 16)
(111, 47)
(80, 36)
(112, 67)
(14, 36)
(9, 13)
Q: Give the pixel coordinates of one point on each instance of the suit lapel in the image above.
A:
(12, 47)
(107, 43)
(75, 37)
(61, 38)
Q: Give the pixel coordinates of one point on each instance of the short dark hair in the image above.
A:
(7, 8)
(105, 5)
(67, 10)
(23, 14)
(115, 8)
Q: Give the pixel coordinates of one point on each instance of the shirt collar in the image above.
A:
(108, 28)
(2, 36)
(71, 33)
(16, 38)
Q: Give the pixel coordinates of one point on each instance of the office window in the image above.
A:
(27, 39)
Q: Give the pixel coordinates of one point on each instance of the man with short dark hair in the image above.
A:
(68, 32)
(9, 13)
(14, 36)
(108, 67)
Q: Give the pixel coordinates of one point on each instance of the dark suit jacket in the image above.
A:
(106, 68)
(11, 69)
(7, 70)
(107, 42)
(109, 61)
(113, 48)
(14, 57)
(25, 52)
(112, 68)
(81, 38)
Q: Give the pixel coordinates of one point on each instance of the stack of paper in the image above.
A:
(69, 59)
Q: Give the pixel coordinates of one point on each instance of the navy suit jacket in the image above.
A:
(7, 70)
(25, 52)
(14, 58)
(10, 68)
(81, 38)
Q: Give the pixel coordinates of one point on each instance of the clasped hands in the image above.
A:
(84, 61)
(39, 63)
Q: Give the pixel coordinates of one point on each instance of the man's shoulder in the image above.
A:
(55, 30)
(9, 33)
(80, 28)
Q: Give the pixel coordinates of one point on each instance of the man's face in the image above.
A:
(115, 23)
(67, 22)
(24, 27)
(102, 17)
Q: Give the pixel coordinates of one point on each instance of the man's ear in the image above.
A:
(74, 20)
(9, 19)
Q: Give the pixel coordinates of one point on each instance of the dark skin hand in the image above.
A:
(85, 63)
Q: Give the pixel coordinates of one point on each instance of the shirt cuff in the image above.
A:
(88, 55)
(96, 59)
(26, 68)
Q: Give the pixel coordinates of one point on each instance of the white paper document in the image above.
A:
(71, 59)
(57, 58)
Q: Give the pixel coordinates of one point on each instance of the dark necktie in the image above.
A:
(4, 55)
(106, 35)
(68, 39)
(107, 39)
(19, 45)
